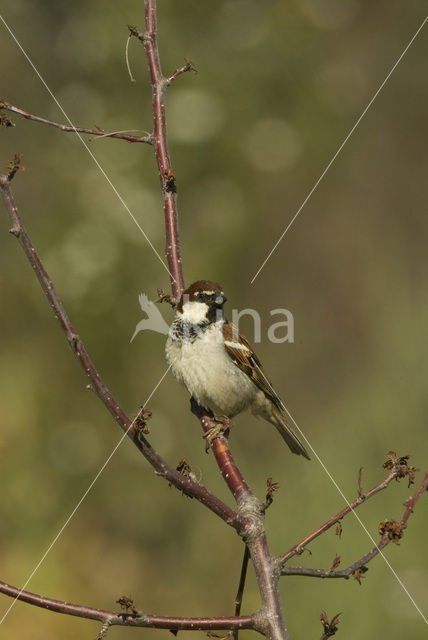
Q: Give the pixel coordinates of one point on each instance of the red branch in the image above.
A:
(186, 67)
(130, 619)
(160, 144)
(298, 548)
(159, 140)
(230, 472)
(271, 623)
(412, 501)
(64, 127)
(385, 540)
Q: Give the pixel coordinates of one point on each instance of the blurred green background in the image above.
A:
(279, 87)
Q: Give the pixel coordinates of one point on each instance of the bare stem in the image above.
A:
(186, 67)
(242, 579)
(298, 548)
(220, 446)
(251, 510)
(353, 568)
(97, 131)
(159, 140)
(412, 501)
(138, 619)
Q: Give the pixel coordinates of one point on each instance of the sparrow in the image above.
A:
(216, 364)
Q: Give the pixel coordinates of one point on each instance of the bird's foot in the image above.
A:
(220, 429)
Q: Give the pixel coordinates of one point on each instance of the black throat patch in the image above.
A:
(182, 330)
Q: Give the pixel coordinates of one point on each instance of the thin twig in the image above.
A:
(186, 67)
(298, 548)
(129, 619)
(97, 131)
(241, 587)
(343, 573)
(410, 503)
(160, 144)
(356, 566)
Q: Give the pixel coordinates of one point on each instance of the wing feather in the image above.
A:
(240, 352)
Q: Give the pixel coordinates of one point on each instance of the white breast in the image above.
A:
(209, 374)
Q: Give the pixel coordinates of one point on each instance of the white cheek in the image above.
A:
(194, 312)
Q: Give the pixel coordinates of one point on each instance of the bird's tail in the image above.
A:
(279, 420)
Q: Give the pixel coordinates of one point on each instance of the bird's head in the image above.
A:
(201, 303)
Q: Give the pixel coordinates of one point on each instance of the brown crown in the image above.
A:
(207, 286)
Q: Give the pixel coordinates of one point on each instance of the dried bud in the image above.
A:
(359, 573)
(170, 184)
(141, 420)
(4, 120)
(271, 487)
(392, 528)
(400, 465)
(336, 563)
(127, 603)
(330, 628)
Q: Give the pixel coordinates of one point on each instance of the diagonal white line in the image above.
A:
(61, 531)
(116, 192)
(385, 559)
(340, 149)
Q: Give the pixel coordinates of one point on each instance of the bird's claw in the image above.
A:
(220, 429)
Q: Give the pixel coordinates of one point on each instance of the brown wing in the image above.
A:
(244, 357)
(240, 352)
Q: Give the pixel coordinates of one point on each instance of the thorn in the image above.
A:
(360, 475)
(14, 166)
(271, 487)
